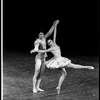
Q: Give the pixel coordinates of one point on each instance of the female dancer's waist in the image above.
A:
(57, 56)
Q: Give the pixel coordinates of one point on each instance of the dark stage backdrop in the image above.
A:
(77, 32)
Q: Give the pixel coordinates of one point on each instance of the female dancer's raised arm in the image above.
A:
(55, 31)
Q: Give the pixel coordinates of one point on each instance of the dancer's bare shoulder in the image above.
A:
(37, 41)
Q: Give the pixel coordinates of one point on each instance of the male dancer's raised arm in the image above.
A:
(51, 29)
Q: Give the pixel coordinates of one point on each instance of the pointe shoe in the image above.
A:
(90, 67)
(58, 90)
(34, 91)
(39, 89)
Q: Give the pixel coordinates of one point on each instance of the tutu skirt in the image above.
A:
(57, 62)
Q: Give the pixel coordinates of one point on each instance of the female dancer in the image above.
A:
(40, 44)
(59, 62)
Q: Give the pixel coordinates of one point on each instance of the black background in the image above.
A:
(77, 32)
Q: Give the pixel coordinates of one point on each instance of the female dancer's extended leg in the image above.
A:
(77, 66)
(64, 73)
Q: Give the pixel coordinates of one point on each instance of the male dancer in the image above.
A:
(40, 44)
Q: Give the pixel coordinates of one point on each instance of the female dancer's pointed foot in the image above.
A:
(39, 89)
(58, 90)
(34, 91)
(90, 67)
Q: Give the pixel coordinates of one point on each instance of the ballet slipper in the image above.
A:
(39, 89)
(58, 90)
(34, 91)
(90, 67)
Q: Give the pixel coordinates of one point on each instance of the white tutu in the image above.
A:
(57, 62)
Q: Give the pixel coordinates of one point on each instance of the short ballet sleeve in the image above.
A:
(36, 44)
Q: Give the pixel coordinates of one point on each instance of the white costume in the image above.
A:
(57, 61)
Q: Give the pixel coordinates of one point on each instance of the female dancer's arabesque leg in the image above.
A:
(77, 66)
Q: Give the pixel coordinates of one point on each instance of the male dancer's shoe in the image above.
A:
(34, 91)
(39, 89)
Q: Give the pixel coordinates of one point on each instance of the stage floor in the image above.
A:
(79, 84)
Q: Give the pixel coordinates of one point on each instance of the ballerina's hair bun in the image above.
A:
(50, 41)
